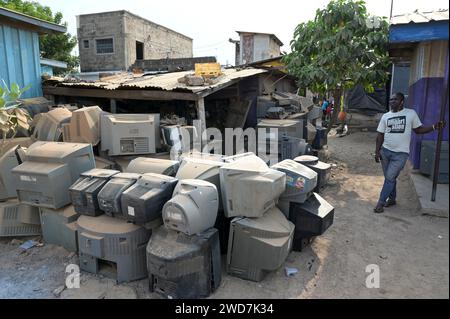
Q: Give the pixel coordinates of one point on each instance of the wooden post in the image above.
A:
(113, 106)
(201, 114)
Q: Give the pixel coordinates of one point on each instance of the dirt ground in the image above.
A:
(410, 249)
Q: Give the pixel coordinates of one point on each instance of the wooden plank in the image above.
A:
(121, 94)
(201, 114)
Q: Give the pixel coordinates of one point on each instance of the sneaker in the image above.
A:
(378, 210)
(390, 202)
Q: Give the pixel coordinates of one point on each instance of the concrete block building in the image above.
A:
(113, 41)
(254, 46)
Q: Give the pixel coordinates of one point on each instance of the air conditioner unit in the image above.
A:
(130, 134)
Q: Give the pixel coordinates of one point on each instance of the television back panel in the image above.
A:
(8, 187)
(109, 197)
(322, 169)
(249, 187)
(104, 239)
(84, 126)
(49, 126)
(312, 218)
(300, 181)
(130, 134)
(44, 179)
(427, 160)
(13, 216)
(84, 193)
(143, 165)
(193, 207)
(182, 266)
(143, 202)
(258, 246)
(59, 227)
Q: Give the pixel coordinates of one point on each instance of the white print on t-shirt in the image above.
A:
(396, 124)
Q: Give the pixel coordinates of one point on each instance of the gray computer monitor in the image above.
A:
(258, 246)
(84, 192)
(143, 202)
(17, 219)
(49, 126)
(249, 187)
(50, 169)
(130, 134)
(143, 165)
(109, 197)
(84, 126)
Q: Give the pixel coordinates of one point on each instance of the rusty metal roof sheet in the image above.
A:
(420, 17)
(166, 81)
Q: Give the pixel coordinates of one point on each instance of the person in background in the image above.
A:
(324, 107)
(392, 145)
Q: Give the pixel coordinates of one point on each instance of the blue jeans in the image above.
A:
(392, 163)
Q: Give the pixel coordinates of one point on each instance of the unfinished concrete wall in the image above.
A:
(126, 29)
(91, 27)
(159, 42)
(171, 65)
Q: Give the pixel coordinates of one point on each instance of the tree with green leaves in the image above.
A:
(342, 47)
(53, 46)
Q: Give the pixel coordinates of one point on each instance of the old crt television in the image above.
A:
(300, 183)
(311, 218)
(193, 207)
(17, 219)
(112, 247)
(294, 128)
(183, 135)
(322, 169)
(249, 187)
(12, 158)
(258, 246)
(143, 202)
(85, 190)
(143, 165)
(184, 267)
(84, 126)
(59, 227)
(199, 168)
(44, 179)
(110, 195)
(49, 126)
(130, 134)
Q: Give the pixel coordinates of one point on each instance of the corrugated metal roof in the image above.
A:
(167, 81)
(41, 26)
(420, 17)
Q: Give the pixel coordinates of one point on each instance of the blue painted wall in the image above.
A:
(19, 59)
(47, 69)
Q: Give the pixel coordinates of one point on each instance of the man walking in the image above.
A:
(392, 147)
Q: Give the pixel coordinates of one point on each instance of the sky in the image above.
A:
(211, 23)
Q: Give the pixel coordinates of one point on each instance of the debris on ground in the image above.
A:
(29, 244)
(57, 292)
(290, 271)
